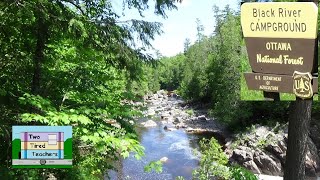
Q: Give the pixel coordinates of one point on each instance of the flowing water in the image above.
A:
(177, 146)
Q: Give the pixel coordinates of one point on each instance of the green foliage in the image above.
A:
(179, 178)
(262, 143)
(190, 112)
(143, 85)
(154, 165)
(225, 76)
(170, 72)
(210, 71)
(240, 173)
(74, 63)
(194, 84)
(213, 161)
(214, 164)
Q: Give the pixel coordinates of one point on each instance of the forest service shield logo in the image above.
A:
(302, 86)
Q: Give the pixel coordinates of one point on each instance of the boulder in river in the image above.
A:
(177, 120)
(202, 118)
(162, 92)
(155, 96)
(165, 115)
(164, 159)
(164, 122)
(151, 112)
(171, 129)
(149, 123)
(181, 125)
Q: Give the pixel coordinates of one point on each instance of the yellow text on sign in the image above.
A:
(279, 20)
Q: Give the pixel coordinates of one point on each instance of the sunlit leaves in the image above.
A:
(77, 28)
(146, 30)
(36, 101)
(154, 165)
(56, 119)
(213, 161)
(88, 58)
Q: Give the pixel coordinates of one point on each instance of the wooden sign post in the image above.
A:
(298, 132)
(282, 45)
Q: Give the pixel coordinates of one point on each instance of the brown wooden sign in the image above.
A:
(279, 20)
(277, 83)
(281, 42)
(281, 55)
(280, 37)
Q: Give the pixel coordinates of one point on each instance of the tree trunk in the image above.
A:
(299, 120)
(41, 36)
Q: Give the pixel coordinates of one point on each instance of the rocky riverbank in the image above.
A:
(261, 149)
(177, 114)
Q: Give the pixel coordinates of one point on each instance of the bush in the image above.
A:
(240, 173)
(214, 164)
(213, 161)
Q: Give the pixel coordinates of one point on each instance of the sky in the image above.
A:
(181, 23)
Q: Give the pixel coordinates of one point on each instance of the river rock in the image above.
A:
(155, 96)
(151, 112)
(189, 129)
(315, 132)
(181, 113)
(171, 129)
(156, 102)
(164, 159)
(164, 122)
(160, 109)
(267, 163)
(149, 123)
(270, 159)
(177, 120)
(277, 152)
(170, 119)
(261, 131)
(193, 119)
(181, 125)
(162, 92)
(138, 103)
(251, 165)
(160, 96)
(312, 159)
(242, 154)
(168, 108)
(164, 115)
(202, 118)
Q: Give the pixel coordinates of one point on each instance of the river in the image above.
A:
(164, 131)
(176, 145)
